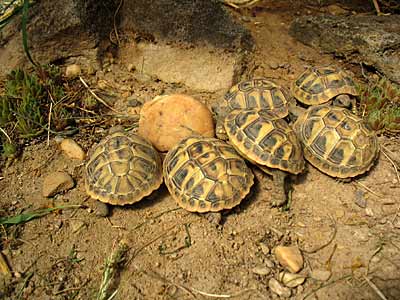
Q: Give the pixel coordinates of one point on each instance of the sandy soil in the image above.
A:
(351, 229)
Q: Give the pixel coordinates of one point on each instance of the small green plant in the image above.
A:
(380, 105)
(32, 103)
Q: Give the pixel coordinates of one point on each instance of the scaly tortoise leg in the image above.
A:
(278, 197)
(278, 193)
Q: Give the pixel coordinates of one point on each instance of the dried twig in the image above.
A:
(49, 123)
(375, 288)
(367, 189)
(7, 136)
(71, 289)
(393, 164)
(327, 243)
(157, 276)
(95, 96)
(222, 295)
(326, 285)
(192, 291)
(115, 23)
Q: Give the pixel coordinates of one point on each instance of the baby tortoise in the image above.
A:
(122, 169)
(259, 93)
(318, 85)
(336, 141)
(206, 175)
(269, 142)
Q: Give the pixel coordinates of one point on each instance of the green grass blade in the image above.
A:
(25, 9)
(25, 217)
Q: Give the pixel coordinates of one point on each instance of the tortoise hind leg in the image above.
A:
(278, 197)
(279, 192)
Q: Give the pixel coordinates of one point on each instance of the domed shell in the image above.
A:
(122, 169)
(264, 139)
(318, 85)
(336, 141)
(206, 174)
(258, 93)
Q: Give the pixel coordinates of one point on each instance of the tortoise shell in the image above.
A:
(256, 93)
(206, 174)
(122, 169)
(336, 141)
(318, 85)
(265, 139)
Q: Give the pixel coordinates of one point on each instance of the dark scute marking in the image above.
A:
(268, 142)
(180, 176)
(215, 204)
(278, 97)
(307, 85)
(234, 103)
(257, 151)
(247, 145)
(232, 127)
(198, 191)
(301, 79)
(332, 116)
(192, 202)
(251, 102)
(279, 153)
(253, 130)
(345, 125)
(263, 102)
(352, 160)
(320, 143)
(264, 156)
(316, 88)
(198, 148)
(116, 142)
(212, 197)
(308, 97)
(336, 83)
(326, 71)
(172, 163)
(189, 184)
(147, 150)
(213, 166)
(146, 167)
(284, 164)
(207, 155)
(241, 118)
(275, 161)
(202, 204)
(337, 155)
(239, 136)
(308, 127)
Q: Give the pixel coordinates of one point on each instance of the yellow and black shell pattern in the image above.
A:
(206, 175)
(122, 169)
(318, 85)
(258, 93)
(336, 141)
(265, 139)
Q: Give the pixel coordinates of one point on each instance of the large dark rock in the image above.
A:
(192, 21)
(57, 30)
(372, 40)
(63, 29)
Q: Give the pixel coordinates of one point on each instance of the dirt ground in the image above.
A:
(351, 229)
